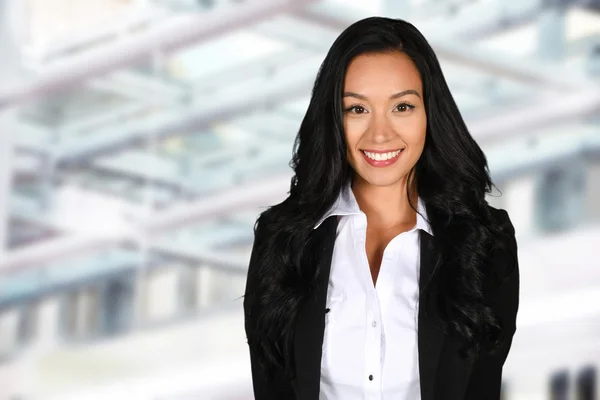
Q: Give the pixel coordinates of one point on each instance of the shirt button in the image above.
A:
(374, 324)
(370, 377)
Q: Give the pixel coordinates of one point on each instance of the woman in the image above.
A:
(385, 274)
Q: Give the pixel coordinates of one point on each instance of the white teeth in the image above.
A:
(382, 156)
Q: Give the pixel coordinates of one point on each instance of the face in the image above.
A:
(384, 117)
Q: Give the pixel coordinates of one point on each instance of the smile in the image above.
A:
(381, 158)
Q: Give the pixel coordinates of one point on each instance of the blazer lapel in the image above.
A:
(310, 322)
(430, 333)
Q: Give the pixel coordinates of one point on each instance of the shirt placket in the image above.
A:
(373, 334)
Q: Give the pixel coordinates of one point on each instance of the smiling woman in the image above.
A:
(385, 272)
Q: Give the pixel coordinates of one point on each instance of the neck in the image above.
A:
(386, 206)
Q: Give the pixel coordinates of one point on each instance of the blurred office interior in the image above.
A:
(139, 140)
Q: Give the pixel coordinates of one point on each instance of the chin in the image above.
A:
(382, 178)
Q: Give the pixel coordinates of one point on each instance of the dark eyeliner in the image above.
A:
(404, 103)
(352, 107)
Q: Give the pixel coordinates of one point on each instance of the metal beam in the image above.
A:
(189, 252)
(143, 87)
(56, 50)
(53, 249)
(295, 81)
(547, 112)
(175, 33)
(149, 169)
(243, 197)
(542, 149)
(263, 66)
(253, 195)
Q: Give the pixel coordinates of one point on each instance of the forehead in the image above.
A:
(382, 72)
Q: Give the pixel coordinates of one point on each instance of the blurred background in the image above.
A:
(139, 140)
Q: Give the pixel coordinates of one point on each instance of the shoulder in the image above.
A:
(502, 230)
(500, 216)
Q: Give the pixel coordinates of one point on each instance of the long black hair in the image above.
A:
(451, 176)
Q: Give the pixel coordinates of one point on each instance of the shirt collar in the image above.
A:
(346, 204)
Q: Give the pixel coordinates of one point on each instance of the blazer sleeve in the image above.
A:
(486, 376)
(276, 387)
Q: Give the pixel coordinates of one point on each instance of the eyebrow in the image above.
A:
(394, 96)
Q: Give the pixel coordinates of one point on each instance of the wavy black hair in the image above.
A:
(451, 176)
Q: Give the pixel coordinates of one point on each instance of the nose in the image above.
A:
(380, 128)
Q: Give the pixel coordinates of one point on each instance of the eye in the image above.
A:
(357, 109)
(403, 107)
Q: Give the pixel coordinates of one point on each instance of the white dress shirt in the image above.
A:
(370, 339)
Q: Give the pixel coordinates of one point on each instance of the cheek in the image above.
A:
(413, 131)
(352, 132)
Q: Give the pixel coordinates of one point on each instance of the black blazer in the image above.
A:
(443, 373)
